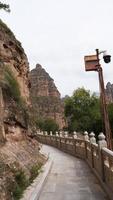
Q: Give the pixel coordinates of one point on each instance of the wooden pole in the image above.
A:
(104, 105)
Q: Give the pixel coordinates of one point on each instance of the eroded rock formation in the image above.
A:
(45, 96)
(19, 153)
(14, 69)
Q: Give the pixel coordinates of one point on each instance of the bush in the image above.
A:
(21, 182)
(17, 193)
(35, 170)
(12, 84)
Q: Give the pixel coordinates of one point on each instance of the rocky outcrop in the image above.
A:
(42, 84)
(109, 93)
(19, 152)
(14, 80)
(14, 57)
(45, 96)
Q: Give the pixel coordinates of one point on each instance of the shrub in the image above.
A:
(21, 182)
(12, 84)
(35, 170)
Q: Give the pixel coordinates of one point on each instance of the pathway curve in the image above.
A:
(70, 179)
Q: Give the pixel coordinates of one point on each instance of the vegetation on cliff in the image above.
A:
(12, 84)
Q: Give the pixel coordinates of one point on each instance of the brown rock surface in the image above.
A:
(13, 55)
(18, 153)
(14, 69)
(45, 96)
(17, 149)
(109, 93)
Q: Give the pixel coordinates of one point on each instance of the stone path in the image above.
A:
(70, 179)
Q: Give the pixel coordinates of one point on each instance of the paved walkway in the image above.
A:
(70, 179)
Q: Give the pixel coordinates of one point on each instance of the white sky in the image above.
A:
(58, 33)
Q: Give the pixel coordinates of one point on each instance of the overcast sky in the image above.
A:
(58, 33)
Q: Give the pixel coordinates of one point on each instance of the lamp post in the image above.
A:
(92, 64)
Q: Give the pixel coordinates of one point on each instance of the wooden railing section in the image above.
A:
(98, 157)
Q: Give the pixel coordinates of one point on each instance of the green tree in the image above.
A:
(83, 111)
(4, 6)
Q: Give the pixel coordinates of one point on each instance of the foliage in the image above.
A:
(21, 183)
(83, 111)
(4, 7)
(11, 89)
(12, 84)
(47, 125)
(35, 170)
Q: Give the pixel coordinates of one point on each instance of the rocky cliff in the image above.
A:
(14, 81)
(14, 57)
(45, 96)
(109, 93)
(19, 153)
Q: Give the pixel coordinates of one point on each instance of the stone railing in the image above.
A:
(98, 157)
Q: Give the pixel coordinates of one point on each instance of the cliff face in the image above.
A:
(109, 93)
(13, 56)
(18, 152)
(14, 82)
(45, 96)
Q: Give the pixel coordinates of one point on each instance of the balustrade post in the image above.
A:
(75, 135)
(51, 133)
(66, 134)
(86, 136)
(60, 134)
(45, 133)
(51, 138)
(57, 133)
(101, 143)
(92, 141)
(56, 139)
(92, 138)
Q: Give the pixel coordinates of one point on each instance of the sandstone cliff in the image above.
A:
(14, 69)
(109, 93)
(45, 96)
(13, 55)
(18, 152)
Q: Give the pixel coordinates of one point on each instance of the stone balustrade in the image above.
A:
(98, 157)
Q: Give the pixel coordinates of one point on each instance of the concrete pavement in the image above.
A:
(70, 179)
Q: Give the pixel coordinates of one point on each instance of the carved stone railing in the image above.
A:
(98, 157)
